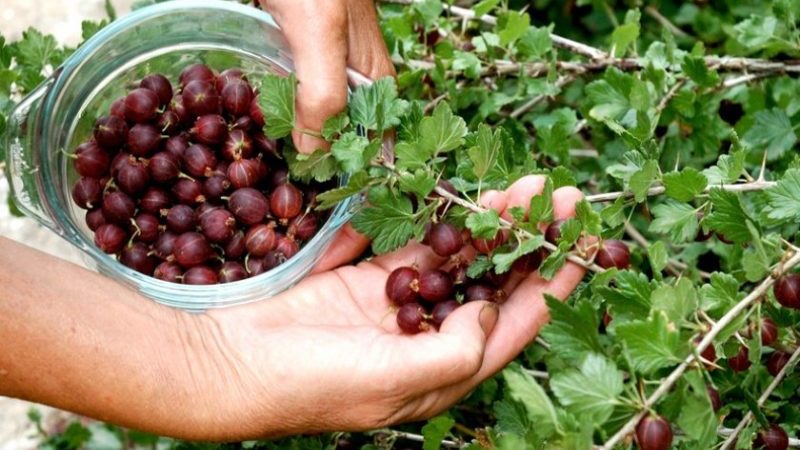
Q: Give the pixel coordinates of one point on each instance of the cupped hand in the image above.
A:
(325, 37)
(327, 354)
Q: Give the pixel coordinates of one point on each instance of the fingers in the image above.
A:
(347, 245)
(520, 193)
(317, 36)
(367, 52)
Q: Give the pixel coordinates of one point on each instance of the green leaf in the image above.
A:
(552, 264)
(435, 431)
(389, 221)
(698, 71)
(728, 216)
(623, 36)
(443, 131)
(651, 344)
(484, 225)
(678, 220)
(658, 256)
(277, 102)
(524, 389)
(89, 28)
(484, 154)
(591, 393)
(755, 32)
(684, 185)
(419, 183)
(696, 417)
(536, 42)
(677, 301)
(588, 217)
(516, 24)
(355, 185)
(771, 132)
(643, 179)
(541, 207)
(503, 261)
(721, 293)
(572, 331)
(484, 6)
(631, 296)
(783, 201)
(428, 10)
(609, 96)
(335, 125)
(479, 266)
(728, 169)
(553, 140)
(349, 151)
(320, 165)
(376, 106)
(411, 155)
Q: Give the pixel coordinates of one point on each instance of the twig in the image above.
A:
(525, 107)
(538, 374)
(707, 339)
(429, 107)
(761, 400)
(671, 93)
(658, 190)
(723, 431)
(419, 438)
(655, 14)
(583, 153)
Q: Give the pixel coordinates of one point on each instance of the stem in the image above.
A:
(664, 22)
(707, 339)
(723, 431)
(419, 438)
(538, 374)
(658, 190)
(761, 400)
(671, 93)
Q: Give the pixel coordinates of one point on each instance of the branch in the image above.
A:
(658, 190)
(707, 339)
(418, 438)
(655, 14)
(761, 400)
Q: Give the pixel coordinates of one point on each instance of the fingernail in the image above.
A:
(487, 318)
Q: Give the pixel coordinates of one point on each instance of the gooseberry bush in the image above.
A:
(678, 120)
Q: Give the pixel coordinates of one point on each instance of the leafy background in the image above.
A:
(634, 103)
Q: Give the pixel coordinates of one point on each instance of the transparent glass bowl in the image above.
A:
(54, 119)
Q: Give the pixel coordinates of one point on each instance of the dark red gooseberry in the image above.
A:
(232, 271)
(487, 246)
(776, 362)
(229, 76)
(654, 433)
(264, 144)
(410, 318)
(180, 219)
(169, 271)
(143, 139)
(286, 201)
(435, 285)
(741, 361)
(260, 239)
(243, 173)
(442, 310)
(141, 105)
(137, 257)
(235, 248)
(773, 438)
(192, 249)
(497, 279)
(91, 160)
(244, 123)
(256, 113)
(613, 253)
(95, 218)
(236, 98)
(286, 246)
(188, 192)
(118, 208)
(480, 292)
(200, 98)
(210, 129)
(163, 167)
(713, 396)
(110, 238)
(248, 205)
(164, 247)
(199, 160)
(709, 353)
(215, 187)
(553, 232)
(133, 177)
(178, 106)
(402, 285)
(176, 146)
(787, 290)
(200, 275)
(218, 225)
(168, 123)
(528, 263)
(146, 228)
(154, 200)
(196, 72)
(459, 273)
(278, 176)
(445, 239)
(160, 85)
(237, 145)
(110, 132)
(118, 108)
(87, 193)
(769, 331)
(303, 227)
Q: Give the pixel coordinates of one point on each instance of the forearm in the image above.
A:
(78, 341)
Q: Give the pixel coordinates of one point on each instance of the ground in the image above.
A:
(63, 19)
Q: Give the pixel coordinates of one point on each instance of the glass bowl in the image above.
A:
(54, 118)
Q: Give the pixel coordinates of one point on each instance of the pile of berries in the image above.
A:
(184, 186)
(426, 297)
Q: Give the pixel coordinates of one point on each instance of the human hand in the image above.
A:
(327, 354)
(325, 37)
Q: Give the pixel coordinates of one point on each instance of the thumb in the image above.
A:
(317, 36)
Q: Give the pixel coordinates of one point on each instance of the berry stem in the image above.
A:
(706, 340)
